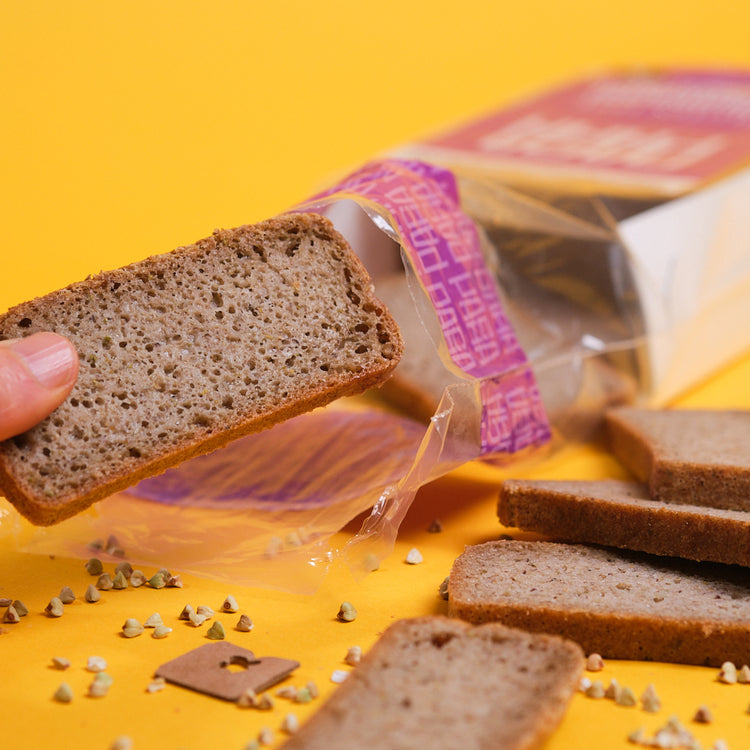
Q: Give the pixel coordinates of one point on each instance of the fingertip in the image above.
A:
(37, 373)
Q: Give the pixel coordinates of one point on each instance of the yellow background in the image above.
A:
(130, 128)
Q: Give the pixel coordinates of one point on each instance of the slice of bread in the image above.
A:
(438, 683)
(622, 605)
(183, 352)
(689, 456)
(617, 513)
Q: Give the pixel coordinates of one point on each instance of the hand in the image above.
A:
(36, 375)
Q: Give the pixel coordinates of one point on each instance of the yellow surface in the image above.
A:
(130, 128)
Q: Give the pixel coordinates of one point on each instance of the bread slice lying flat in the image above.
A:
(185, 351)
(617, 513)
(436, 683)
(689, 456)
(622, 605)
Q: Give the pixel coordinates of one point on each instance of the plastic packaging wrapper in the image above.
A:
(577, 251)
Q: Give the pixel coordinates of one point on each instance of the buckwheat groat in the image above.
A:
(183, 352)
(622, 605)
(438, 683)
(617, 513)
(689, 456)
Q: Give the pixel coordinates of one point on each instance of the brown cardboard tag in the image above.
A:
(225, 671)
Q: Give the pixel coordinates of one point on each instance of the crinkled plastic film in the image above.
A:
(527, 308)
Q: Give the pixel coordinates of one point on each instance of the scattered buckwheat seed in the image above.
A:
(230, 604)
(104, 582)
(137, 579)
(443, 588)
(594, 663)
(132, 628)
(125, 568)
(626, 698)
(265, 736)
(11, 615)
(21, 609)
(290, 724)
(120, 581)
(244, 624)
(92, 594)
(613, 690)
(727, 673)
(196, 619)
(650, 700)
(703, 715)
(346, 612)
(161, 631)
(187, 610)
(64, 693)
(61, 663)
(66, 595)
(287, 691)
(153, 620)
(743, 675)
(216, 632)
(55, 608)
(353, 656)
(596, 689)
(303, 695)
(156, 685)
(435, 527)
(122, 743)
(204, 610)
(338, 676)
(96, 664)
(157, 581)
(94, 566)
(414, 556)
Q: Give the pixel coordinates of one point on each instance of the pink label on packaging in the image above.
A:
(673, 130)
(442, 244)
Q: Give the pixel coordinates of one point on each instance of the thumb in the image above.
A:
(36, 375)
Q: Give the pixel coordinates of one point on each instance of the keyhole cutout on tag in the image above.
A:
(238, 663)
(225, 671)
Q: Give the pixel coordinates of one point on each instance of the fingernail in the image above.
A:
(49, 358)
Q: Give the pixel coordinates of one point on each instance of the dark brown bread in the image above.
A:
(617, 513)
(437, 683)
(185, 351)
(622, 605)
(688, 456)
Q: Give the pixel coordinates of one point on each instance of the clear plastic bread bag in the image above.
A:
(527, 306)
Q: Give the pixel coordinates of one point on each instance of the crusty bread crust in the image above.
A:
(439, 683)
(183, 352)
(619, 513)
(617, 604)
(689, 456)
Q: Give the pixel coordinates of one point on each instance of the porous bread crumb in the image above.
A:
(184, 351)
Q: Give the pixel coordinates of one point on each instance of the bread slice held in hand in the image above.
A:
(622, 605)
(619, 513)
(183, 352)
(439, 683)
(688, 456)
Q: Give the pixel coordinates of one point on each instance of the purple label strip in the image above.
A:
(443, 246)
